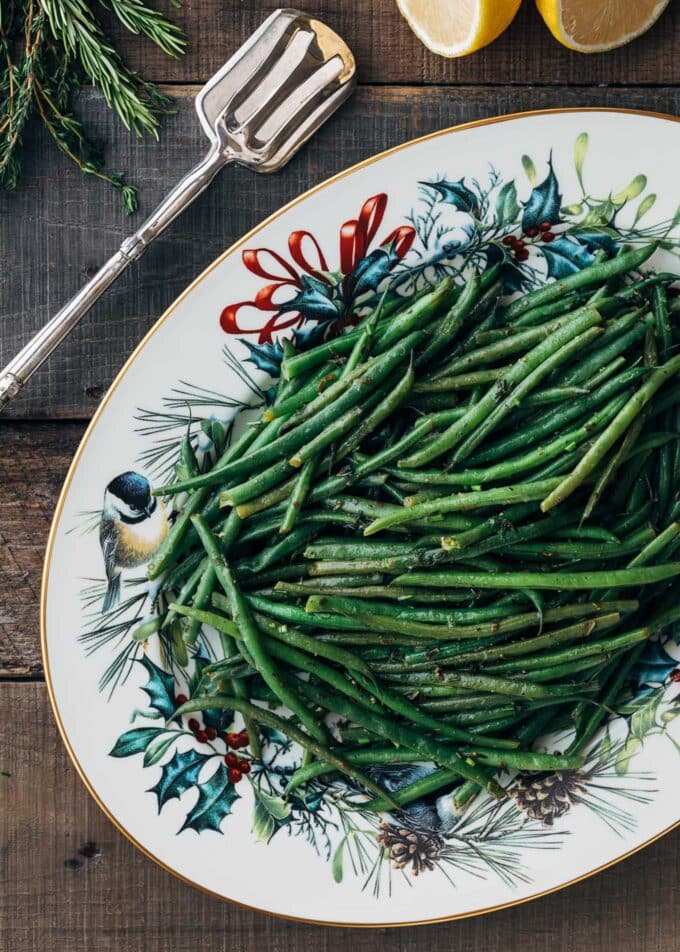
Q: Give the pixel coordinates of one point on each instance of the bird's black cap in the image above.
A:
(132, 488)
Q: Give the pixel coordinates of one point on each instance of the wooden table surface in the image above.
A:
(68, 879)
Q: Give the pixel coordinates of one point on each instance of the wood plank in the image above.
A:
(57, 227)
(388, 52)
(33, 463)
(54, 897)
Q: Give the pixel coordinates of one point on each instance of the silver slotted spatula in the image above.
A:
(264, 103)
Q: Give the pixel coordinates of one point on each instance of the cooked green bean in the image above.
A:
(555, 580)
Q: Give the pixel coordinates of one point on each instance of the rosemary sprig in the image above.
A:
(48, 49)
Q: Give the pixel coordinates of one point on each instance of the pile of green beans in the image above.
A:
(448, 532)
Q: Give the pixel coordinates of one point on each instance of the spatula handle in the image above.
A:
(38, 349)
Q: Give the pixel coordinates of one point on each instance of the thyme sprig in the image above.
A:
(48, 49)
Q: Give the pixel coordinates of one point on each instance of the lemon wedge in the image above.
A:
(458, 27)
(595, 26)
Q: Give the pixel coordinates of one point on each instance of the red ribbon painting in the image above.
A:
(274, 299)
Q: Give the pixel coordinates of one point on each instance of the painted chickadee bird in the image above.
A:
(133, 525)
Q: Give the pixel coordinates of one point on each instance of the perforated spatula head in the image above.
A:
(276, 90)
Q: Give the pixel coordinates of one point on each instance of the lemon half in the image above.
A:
(458, 27)
(595, 26)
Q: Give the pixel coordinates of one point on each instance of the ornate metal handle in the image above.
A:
(38, 349)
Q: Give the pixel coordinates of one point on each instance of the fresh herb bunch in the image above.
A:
(48, 49)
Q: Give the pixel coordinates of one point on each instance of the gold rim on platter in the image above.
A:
(120, 376)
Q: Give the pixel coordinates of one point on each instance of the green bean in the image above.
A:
(333, 432)
(547, 352)
(579, 630)
(463, 381)
(285, 612)
(440, 654)
(202, 598)
(187, 589)
(289, 636)
(370, 590)
(408, 612)
(387, 622)
(419, 430)
(611, 691)
(567, 303)
(605, 373)
(508, 403)
(490, 683)
(657, 546)
(446, 329)
(319, 388)
(554, 420)
(338, 584)
(527, 461)
(404, 707)
(410, 319)
(344, 549)
(616, 340)
(592, 663)
(612, 433)
(493, 353)
(400, 734)
(278, 450)
(298, 495)
(391, 400)
(603, 647)
(252, 639)
(587, 277)
(527, 760)
(376, 755)
(557, 580)
(577, 550)
(460, 502)
(283, 547)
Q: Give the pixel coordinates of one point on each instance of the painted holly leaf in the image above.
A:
(271, 736)
(160, 687)
(269, 814)
(371, 271)
(315, 301)
(514, 279)
(544, 202)
(598, 239)
(215, 799)
(655, 665)
(178, 775)
(220, 720)
(507, 206)
(135, 741)
(565, 256)
(456, 194)
(266, 357)
(309, 335)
